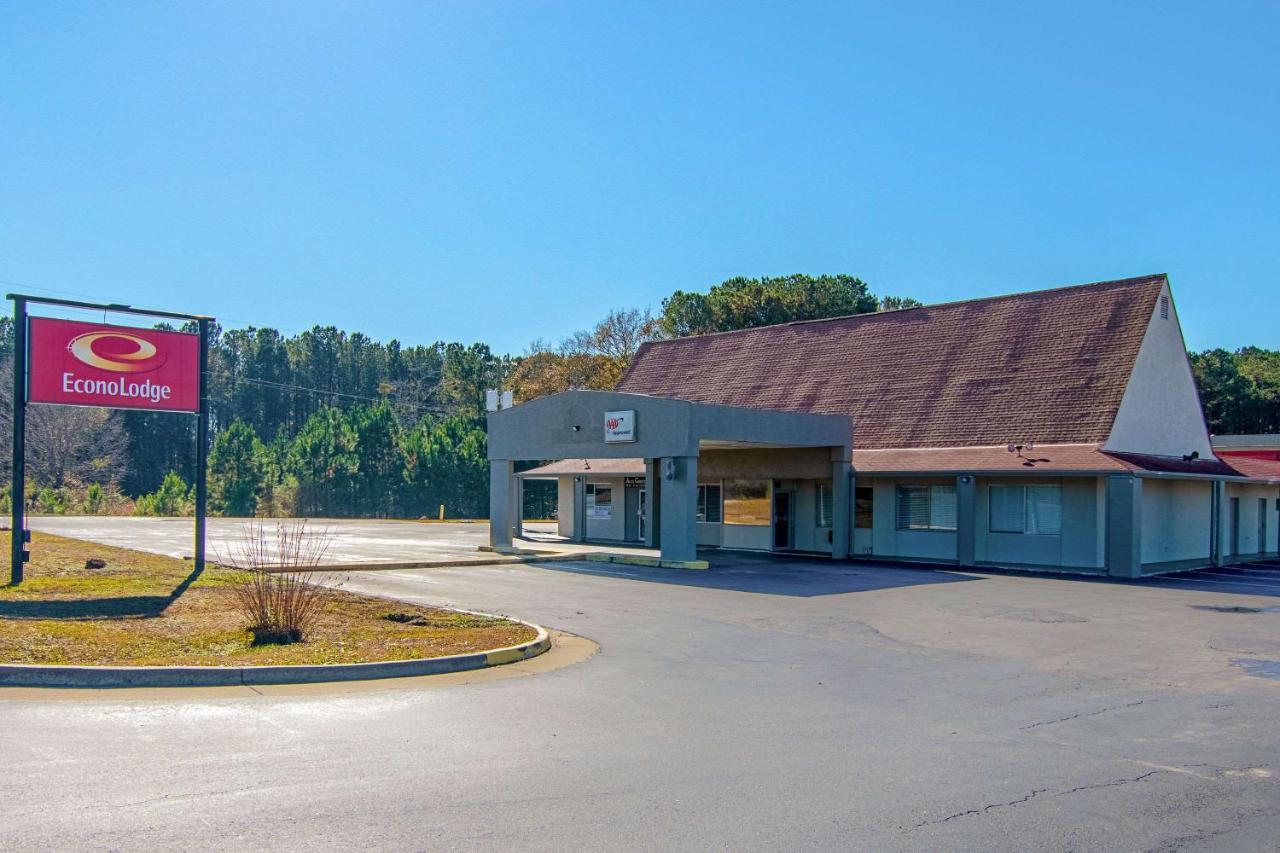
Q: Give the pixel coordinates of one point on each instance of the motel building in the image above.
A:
(1057, 430)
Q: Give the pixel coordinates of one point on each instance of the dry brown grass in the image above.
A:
(148, 610)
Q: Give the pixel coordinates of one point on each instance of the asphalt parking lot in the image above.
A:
(760, 705)
(350, 540)
(1256, 578)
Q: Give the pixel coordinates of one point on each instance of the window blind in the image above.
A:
(1008, 509)
(1044, 510)
(942, 507)
(709, 503)
(826, 500)
(913, 507)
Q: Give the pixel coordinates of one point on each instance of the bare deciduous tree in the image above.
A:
(65, 444)
(593, 358)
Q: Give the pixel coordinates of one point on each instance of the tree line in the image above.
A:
(332, 423)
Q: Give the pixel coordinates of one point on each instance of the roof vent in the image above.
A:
(1164, 308)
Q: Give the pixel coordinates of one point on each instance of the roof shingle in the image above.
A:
(1048, 366)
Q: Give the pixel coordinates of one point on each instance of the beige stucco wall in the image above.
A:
(1176, 520)
(564, 506)
(613, 527)
(765, 463)
(1249, 496)
(1160, 412)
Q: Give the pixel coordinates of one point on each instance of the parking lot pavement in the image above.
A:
(1257, 578)
(762, 704)
(351, 540)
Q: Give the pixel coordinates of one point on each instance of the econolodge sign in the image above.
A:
(120, 367)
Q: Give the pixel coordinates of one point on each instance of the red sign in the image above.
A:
(120, 367)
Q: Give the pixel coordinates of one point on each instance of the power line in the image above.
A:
(323, 393)
(319, 392)
(249, 324)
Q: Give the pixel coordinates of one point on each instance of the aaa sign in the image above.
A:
(121, 367)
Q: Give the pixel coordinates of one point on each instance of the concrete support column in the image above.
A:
(518, 518)
(501, 491)
(1124, 526)
(679, 507)
(966, 520)
(652, 495)
(841, 509)
(579, 509)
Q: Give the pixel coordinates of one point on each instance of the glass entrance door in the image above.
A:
(1262, 525)
(782, 520)
(640, 510)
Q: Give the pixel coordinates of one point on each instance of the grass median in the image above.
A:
(149, 610)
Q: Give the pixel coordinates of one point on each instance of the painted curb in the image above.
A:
(39, 675)
(641, 560)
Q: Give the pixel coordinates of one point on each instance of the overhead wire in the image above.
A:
(283, 386)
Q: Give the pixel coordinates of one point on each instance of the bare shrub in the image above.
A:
(279, 601)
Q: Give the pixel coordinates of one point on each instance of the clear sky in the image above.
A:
(510, 171)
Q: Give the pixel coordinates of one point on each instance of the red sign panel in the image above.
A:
(120, 367)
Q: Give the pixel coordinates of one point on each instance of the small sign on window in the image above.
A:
(619, 426)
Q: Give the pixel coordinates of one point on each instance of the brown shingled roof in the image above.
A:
(1042, 459)
(1262, 470)
(1048, 366)
(1055, 458)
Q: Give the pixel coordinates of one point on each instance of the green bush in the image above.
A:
(94, 499)
(49, 502)
(174, 497)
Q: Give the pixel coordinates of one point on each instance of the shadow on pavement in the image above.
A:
(802, 575)
(771, 574)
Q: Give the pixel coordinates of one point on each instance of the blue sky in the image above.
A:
(511, 171)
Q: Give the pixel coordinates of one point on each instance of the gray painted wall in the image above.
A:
(888, 541)
(1076, 547)
(545, 428)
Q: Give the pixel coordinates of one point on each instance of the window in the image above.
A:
(926, 507)
(1008, 509)
(747, 502)
(1033, 510)
(709, 509)
(864, 501)
(599, 501)
(826, 501)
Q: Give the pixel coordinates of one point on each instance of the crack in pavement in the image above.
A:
(1035, 793)
(1083, 714)
(1113, 784)
(984, 809)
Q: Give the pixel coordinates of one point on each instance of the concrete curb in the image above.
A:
(496, 559)
(38, 675)
(643, 560)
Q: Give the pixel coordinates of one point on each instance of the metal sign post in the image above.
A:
(202, 446)
(17, 493)
(113, 393)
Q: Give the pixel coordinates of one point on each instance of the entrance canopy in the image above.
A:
(666, 435)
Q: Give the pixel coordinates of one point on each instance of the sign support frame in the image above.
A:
(17, 493)
(17, 520)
